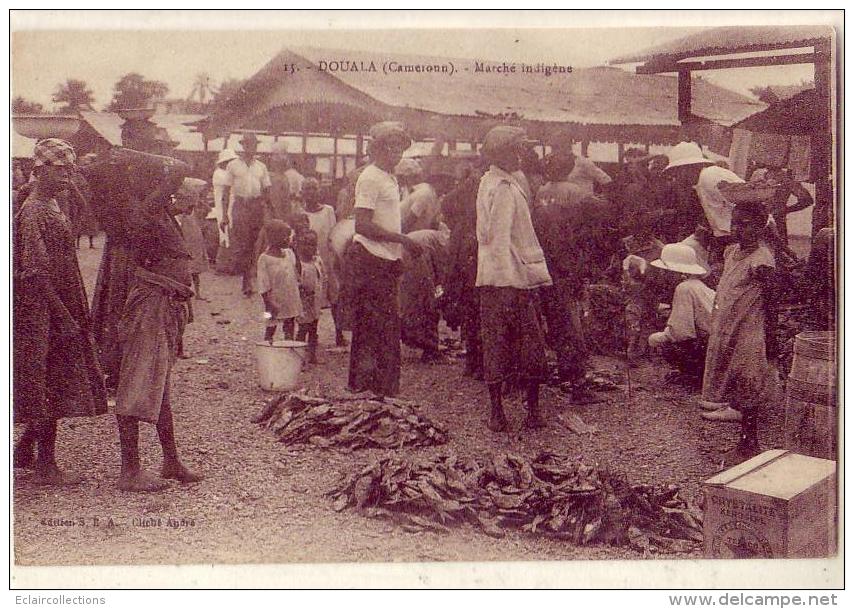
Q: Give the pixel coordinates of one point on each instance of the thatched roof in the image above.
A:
(731, 40)
(797, 115)
(462, 96)
(109, 126)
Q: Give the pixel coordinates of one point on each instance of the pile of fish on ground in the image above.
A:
(348, 423)
(553, 495)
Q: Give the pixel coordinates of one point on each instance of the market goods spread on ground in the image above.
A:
(553, 495)
(348, 423)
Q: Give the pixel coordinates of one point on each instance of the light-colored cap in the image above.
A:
(388, 131)
(408, 168)
(225, 155)
(500, 140)
(679, 258)
(686, 153)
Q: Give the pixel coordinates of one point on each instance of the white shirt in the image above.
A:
(586, 173)
(219, 180)
(378, 191)
(691, 312)
(247, 181)
(716, 207)
(295, 180)
(422, 203)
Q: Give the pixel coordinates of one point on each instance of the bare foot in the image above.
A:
(141, 482)
(178, 471)
(497, 424)
(53, 476)
(534, 422)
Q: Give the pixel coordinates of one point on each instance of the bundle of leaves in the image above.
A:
(349, 424)
(553, 496)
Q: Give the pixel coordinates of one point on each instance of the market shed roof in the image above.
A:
(458, 95)
(732, 40)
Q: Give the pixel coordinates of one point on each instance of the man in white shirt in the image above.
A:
(374, 259)
(248, 185)
(683, 341)
(696, 181)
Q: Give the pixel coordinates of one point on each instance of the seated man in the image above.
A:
(683, 341)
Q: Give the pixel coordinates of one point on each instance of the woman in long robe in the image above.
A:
(56, 371)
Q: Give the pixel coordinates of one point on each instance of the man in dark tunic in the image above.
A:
(150, 331)
(56, 371)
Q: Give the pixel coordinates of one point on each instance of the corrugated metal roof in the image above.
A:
(730, 40)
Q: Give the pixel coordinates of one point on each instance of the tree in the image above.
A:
(25, 106)
(227, 90)
(134, 91)
(203, 88)
(765, 95)
(74, 95)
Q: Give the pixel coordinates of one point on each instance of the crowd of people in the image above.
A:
(503, 246)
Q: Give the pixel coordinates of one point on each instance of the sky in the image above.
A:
(41, 58)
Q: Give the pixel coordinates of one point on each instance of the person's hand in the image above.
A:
(413, 247)
(657, 339)
(224, 223)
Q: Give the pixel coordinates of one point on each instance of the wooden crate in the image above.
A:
(780, 504)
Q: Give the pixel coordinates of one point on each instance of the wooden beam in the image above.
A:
(660, 67)
(684, 102)
(821, 145)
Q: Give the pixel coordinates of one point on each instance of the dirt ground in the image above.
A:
(262, 502)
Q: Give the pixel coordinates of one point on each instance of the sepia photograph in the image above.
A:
(352, 290)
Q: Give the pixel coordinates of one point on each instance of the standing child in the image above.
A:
(277, 281)
(312, 281)
(194, 211)
(737, 371)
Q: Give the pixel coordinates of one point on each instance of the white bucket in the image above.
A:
(279, 364)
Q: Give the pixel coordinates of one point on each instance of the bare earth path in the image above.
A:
(262, 502)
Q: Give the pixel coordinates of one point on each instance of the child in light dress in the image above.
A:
(278, 283)
(312, 284)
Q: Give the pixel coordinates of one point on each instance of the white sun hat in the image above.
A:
(686, 153)
(680, 258)
(226, 154)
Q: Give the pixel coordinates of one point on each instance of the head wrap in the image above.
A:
(53, 151)
(387, 132)
(500, 140)
(408, 168)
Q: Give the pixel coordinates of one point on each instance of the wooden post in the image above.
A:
(684, 107)
(360, 145)
(334, 156)
(646, 147)
(621, 152)
(585, 144)
(821, 143)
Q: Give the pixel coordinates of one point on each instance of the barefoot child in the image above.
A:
(277, 281)
(312, 283)
(193, 212)
(737, 371)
